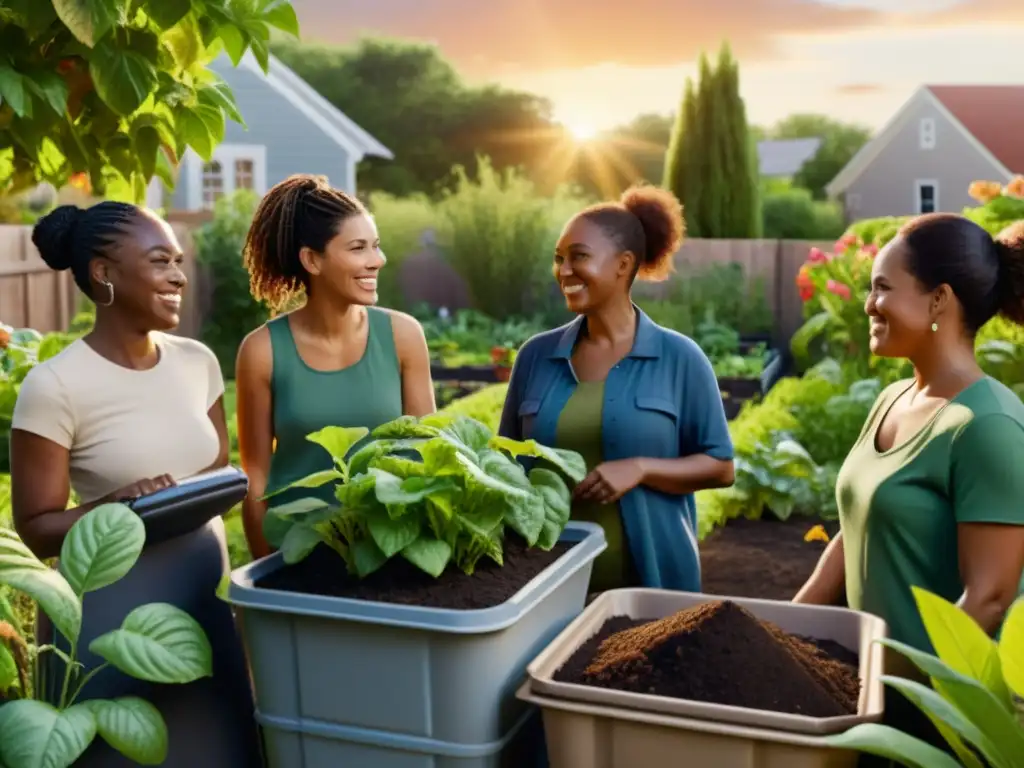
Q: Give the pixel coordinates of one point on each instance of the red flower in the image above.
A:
(804, 283)
(817, 256)
(839, 289)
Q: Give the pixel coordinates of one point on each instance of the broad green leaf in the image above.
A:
(218, 94)
(393, 535)
(51, 88)
(133, 727)
(366, 557)
(886, 741)
(34, 734)
(1011, 647)
(8, 666)
(429, 555)
(281, 14)
(195, 133)
(557, 505)
(13, 91)
(399, 467)
(261, 50)
(469, 434)
(234, 42)
(391, 489)
(7, 612)
(975, 701)
(314, 480)
(88, 20)
(961, 643)
(167, 13)
(159, 643)
(405, 427)
(123, 79)
(298, 542)
(299, 507)
(275, 529)
(338, 441)
(21, 570)
(526, 517)
(101, 547)
(570, 462)
(146, 141)
(935, 706)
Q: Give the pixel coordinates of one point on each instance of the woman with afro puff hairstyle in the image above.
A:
(638, 401)
(335, 361)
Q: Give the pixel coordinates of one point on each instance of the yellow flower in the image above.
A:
(983, 191)
(817, 533)
(1015, 188)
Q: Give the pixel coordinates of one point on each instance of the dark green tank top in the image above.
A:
(367, 393)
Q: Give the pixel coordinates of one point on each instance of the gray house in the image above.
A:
(290, 129)
(927, 155)
(783, 158)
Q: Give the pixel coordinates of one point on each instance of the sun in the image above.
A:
(581, 130)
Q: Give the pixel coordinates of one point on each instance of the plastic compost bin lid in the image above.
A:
(191, 504)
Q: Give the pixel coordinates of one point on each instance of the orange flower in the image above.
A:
(1015, 188)
(804, 283)
(5, 338)
(817, 533)
(80, 181)
(984, 191)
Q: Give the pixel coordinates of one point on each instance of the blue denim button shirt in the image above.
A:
(661, 401)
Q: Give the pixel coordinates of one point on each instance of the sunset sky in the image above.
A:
(603, 62)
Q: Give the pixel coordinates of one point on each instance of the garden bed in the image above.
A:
(488, 374)
(765, 558)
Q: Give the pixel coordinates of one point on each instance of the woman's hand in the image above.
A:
(610, 481)
(141, 488)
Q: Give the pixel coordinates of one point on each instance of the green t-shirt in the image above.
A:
(900, 508)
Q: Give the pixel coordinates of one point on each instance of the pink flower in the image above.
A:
(871, 249)
(846, 242)
(839, 289)
(817, 256)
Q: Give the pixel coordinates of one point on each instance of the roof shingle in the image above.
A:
(994, 114)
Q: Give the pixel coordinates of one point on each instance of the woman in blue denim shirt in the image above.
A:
(638, 401)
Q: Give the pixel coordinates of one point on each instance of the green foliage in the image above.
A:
(118, 89)
(234, 312)
(792, 214)
(839, 143)
(451, 506)
(970, 699)
(499, 234)
(470, 337)
(711, 163)
(484, 406)
(157, 642)
(402, 223)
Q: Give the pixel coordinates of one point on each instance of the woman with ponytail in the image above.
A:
(640, 402)
(335, 361)
(932, 493)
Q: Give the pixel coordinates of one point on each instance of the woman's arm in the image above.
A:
(414, 359)
(988, 503)
(217, 417)
(255, 431)
(687, 474)
(826, 585)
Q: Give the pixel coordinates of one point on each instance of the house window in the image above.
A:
(927, 133)
(927, 197)
(244, 175)
(213, 184)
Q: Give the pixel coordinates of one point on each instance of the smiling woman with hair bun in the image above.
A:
(640, 402)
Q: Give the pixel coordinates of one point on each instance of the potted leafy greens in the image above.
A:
(401, 618)
(156, 642)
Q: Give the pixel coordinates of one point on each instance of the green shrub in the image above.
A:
(233, 312)
(792, 214)
(402, 223)
(499, 234)
(484, 406)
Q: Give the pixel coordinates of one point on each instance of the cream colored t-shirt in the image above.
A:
(122, 425)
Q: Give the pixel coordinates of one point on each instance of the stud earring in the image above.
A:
(935, 327)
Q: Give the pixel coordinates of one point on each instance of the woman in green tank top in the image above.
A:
(336, 360)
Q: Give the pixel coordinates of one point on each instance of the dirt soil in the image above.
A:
(719, 653)
(400, 582)
(761, 558)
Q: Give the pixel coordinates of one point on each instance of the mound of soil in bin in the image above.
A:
(719, 653)
(400, 582)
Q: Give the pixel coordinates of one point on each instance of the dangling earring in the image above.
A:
(935, 326)
(110, 288)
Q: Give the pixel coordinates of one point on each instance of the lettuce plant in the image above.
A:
(436, 490)
(157, 642)
(974, 699)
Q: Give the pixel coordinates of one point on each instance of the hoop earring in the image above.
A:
(935, 326)
(110, 288)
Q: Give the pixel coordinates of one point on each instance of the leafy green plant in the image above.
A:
(219, 251)
(974, 696)
(118, 89)
(450, 506)
(157, 642)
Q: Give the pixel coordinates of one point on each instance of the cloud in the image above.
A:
(859, 89)
(495, 36)
(966, 12)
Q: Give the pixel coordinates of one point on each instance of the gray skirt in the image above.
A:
(210, 722)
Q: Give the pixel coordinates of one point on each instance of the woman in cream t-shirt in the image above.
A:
(125, 411)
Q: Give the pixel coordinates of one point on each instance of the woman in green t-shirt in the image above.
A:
(932, 493)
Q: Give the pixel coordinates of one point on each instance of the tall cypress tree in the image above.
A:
(679, 157)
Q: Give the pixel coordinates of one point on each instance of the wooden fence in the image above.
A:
(31, 295)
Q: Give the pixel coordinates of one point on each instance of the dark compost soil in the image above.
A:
(400, 582)
(719, 653)
(763, 558)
